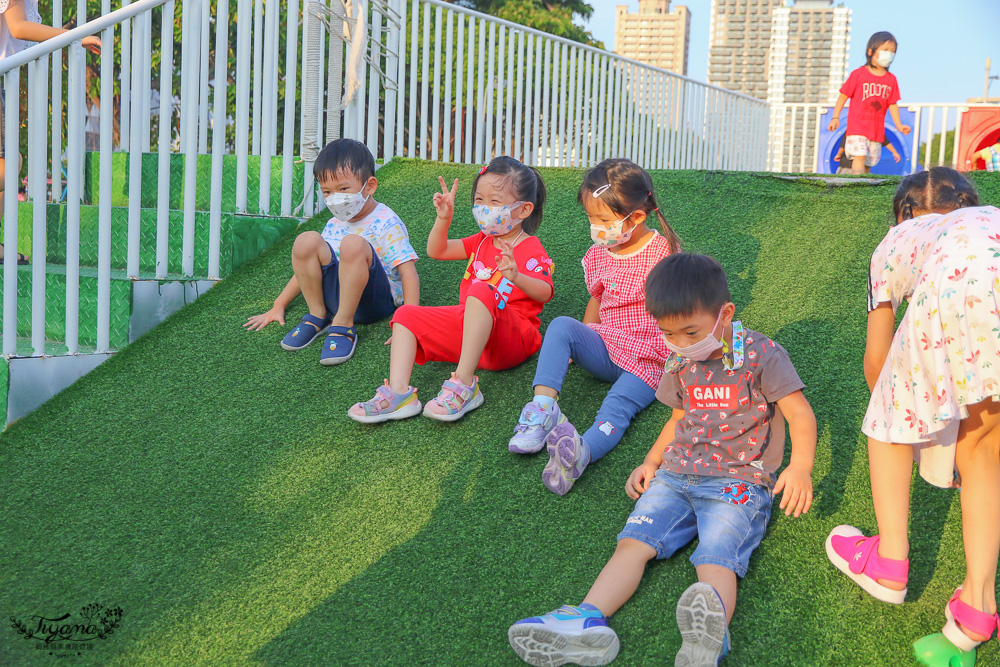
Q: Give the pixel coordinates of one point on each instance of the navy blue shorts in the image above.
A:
(376, 301)
(728, 516)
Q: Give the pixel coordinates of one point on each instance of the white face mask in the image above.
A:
(496, 220)
(701, 350)
(884, 58)
(611, 235)
(345, 205)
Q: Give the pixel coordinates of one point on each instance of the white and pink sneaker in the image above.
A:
(857, 556)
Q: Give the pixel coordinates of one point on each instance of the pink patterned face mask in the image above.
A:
(701, 350)
(612, 235)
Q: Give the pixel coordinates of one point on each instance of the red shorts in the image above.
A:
(438, 330)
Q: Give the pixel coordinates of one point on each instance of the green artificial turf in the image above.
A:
(211, 485)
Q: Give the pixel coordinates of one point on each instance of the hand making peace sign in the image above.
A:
(505, 262)
(444, 201)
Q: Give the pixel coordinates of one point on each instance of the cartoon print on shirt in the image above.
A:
(502, 292)
(737, 493)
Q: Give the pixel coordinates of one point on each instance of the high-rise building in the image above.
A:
(808, 52)
(788, 52)
(777, 52)
(655, 35)
(739, 38)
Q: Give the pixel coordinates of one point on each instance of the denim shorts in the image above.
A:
(728, 516)
(376, 301)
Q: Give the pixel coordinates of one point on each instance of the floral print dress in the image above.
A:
(945, 355)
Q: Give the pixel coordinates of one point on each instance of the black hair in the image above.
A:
(940, 189)
(346, 155)
(875, 41)
(526, 183)
(684, 284)
(631, 190)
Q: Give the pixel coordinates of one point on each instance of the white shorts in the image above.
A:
(858, 145)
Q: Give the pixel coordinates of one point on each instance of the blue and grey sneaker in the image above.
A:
(701, 618)
(569, 455)
(568, 635)
(533, 427)
(305, 332)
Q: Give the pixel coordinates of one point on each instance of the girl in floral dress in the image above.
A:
(935, 390)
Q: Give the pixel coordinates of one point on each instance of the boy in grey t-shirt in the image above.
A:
(710, 474)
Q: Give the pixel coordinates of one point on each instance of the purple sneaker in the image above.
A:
(533, 426)
(569, 455)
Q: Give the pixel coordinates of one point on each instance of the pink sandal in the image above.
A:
(857, 556)
(978, 622)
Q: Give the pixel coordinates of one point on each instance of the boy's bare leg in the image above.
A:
(858, 165)
(723, 580)
(476, 329)
(978, 459)
(402, 354)
(891, 469)
(310, 253)
(620, 577)
(355, 259)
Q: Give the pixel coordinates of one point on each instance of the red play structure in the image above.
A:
(980, 128)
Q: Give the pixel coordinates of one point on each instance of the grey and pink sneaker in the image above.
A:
(454, 400)
(533, 426)
(569, 455)
(385, 405)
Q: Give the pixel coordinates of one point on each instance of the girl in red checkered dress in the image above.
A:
(617, 341)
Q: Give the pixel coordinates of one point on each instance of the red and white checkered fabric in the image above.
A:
(630, 333)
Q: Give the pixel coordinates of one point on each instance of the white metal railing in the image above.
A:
(794, 132)
(438, 82)
(476, 86)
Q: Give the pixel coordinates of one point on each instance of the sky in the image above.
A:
(942, 53)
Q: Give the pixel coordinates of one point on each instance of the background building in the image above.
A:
(739, 38)
(779, 53)
(656, 35)
(807, 64)
(808, 52)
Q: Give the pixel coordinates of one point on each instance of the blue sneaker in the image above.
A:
(305, 332)
(575, 635)
(533, 427)
(339, 346)
(569, 455)
(701, 618)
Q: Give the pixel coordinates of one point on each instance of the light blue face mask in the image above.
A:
(495, 220)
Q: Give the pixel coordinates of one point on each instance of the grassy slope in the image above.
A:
(211, 485)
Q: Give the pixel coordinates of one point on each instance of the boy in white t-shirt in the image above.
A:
(21, 26)
(359, 269)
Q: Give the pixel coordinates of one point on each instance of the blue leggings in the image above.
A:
(567, 339)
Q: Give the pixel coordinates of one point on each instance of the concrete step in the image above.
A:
(149, 188)
(55, 308)
(242, 237)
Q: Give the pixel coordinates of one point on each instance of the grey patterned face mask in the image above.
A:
(345, 205)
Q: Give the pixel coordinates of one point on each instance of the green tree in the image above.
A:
(552, 16)
(935, 144)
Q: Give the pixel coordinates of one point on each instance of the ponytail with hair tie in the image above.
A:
(940, 189)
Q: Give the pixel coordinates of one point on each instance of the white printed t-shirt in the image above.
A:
(388, 236)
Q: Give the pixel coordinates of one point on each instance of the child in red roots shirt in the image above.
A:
(872, 91)
(496, 322)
